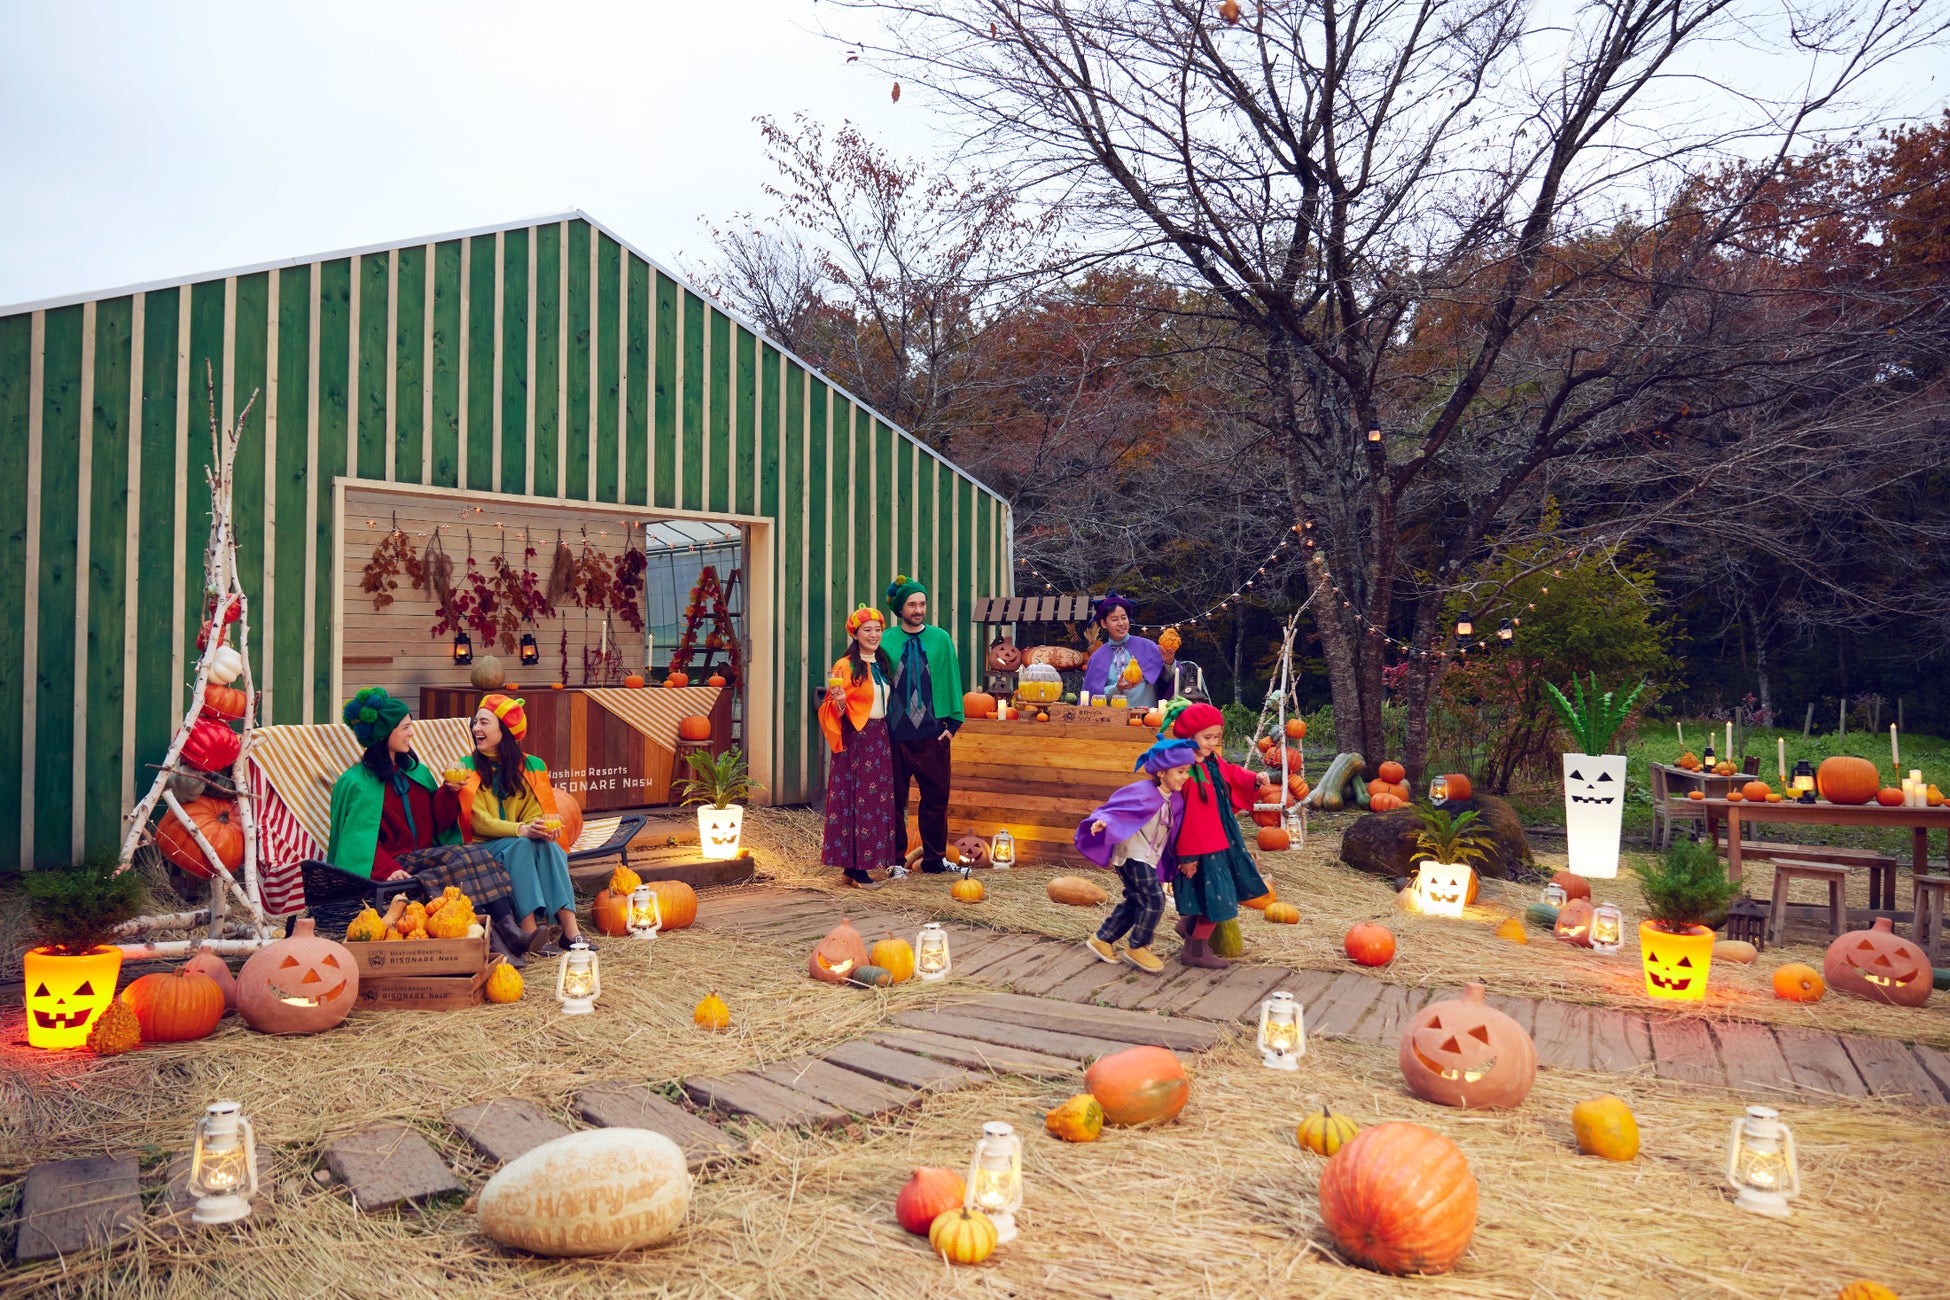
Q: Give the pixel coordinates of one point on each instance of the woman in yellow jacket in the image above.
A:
(511, 808)
(860, 830)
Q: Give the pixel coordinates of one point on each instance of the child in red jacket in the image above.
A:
(1214, 869)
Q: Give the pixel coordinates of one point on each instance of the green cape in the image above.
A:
(944, 673)
(358, 797)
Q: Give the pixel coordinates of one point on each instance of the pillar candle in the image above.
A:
(1680, 727)
(1895, 758)
(1781, 744)
(1728, 754)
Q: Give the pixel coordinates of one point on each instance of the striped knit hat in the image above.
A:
(512, 712)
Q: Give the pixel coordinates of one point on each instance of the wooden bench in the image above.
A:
(1831, 874)
(1927, 893)
(1882, 867)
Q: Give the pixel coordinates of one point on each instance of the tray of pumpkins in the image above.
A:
(440, 937)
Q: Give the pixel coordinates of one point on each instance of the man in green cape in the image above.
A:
(923, 714)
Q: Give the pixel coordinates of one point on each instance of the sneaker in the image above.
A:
(937, 867)
(897, 872)
(1103, 950)
(1144, 959)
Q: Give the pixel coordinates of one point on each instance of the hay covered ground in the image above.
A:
(1222, 1203)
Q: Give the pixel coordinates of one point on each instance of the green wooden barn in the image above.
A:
(500, 385)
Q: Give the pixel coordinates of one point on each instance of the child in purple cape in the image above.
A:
(1133, 833)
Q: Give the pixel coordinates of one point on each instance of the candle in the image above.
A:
(1895, 758)
(1781, 743)
(1727, 753)
(1680, 727)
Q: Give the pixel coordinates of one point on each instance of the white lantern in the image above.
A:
(578, 980)
(1554, 895)
(1439, 790)
(1441, 888)
(719, 829)
(995, 1179)
(646, 913)
(1282, 1032)
(1002, 850)
(1607, 928)
(931, 952)
(1760, 1163)
(1594, 812)
(223, 1165)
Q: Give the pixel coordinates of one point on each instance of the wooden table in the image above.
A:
(1920, 821)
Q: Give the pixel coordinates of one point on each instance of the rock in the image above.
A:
(1382, 844)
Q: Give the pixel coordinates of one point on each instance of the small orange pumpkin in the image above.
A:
(695, 727)
(611, 913)
(1296, 728)
(1460, 789)
(1392, 772)
(1756, 791)
(633, 680)
(1274, 839)
(1889, 797)
(1796, 982)
(226, 702)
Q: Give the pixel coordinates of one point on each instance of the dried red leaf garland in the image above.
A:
(394, 557)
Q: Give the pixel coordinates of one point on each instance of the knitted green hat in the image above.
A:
(372, 714)
(900, 589)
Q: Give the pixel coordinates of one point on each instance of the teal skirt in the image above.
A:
(539, 872)
(1223, 879)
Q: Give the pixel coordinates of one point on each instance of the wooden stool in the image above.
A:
(1787, 872)
(1926, 898)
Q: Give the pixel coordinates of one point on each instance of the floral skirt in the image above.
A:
(860, 830)
(1223, 879)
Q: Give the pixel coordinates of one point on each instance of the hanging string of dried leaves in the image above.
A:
(392, 558)
(561, 573)
(480, 607)
(627, 589)
(437, 569)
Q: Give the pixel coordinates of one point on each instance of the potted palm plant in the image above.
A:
(720, 785)
(72, 968)
(1594, 777)
(1446, 848)
(1684, 889)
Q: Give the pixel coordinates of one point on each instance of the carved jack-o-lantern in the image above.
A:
(718, 830)
(1676, 965)
(1003, 656)
(1880, 965)
(299, 985)
(974, 851)
(1467, 1053)
(838, 955)
(1594, 812)
(1574, 922)
(65, 994)
(1441, 888)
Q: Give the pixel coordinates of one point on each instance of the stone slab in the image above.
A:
(854, 1093)
(388, 1166)
(762, 1100)
(974, 1055)
(71, 1206)
(506, 1127)
(901, 1069)
(628, 1105)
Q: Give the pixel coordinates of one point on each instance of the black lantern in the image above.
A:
(1506, 631)
(1374, 436)
(463, 649)
(531, 654)
(1465, 628)
(1747, 919)
(1804, 781)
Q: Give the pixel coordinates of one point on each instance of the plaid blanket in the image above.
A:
(468, 867)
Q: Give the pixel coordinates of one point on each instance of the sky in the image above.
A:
(171, 139)
(148, 141)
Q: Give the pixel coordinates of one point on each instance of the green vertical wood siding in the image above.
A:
(636, 385)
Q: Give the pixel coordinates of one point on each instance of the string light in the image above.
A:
(1238, 593)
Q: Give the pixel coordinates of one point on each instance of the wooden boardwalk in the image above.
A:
(1023, 1005)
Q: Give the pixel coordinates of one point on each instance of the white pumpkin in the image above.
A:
(226, 665)
(591, 1193)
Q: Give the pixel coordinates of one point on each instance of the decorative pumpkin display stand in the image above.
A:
(208, 825)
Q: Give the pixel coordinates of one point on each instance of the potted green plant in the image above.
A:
(720, 785)
(72, 968)
(1594, 777)
(1445, 848)
(1684, 888)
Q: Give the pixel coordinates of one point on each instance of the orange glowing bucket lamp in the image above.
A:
(65, 994)
(1675, 964)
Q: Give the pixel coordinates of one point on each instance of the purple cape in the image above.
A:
(1096, 673)
(1124, 815)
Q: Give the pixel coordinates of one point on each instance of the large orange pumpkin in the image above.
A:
(1464, 1052)
(929, 1194)
(695, 727)
(217, 819)
(1399, 1198)
(1274, 839)
(570, 812)
(1757, 791)
(175, 1008)
(676, 903)
(1370, 944)
(1138, 1085)
(978, 704)
(610, 913)
(1459, 787)
(1847, 779)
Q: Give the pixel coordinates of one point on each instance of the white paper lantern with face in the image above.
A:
(1594, 812)
(1441, 888)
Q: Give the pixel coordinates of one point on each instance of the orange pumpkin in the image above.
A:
(1757, 791)
(676, 903)
(1274, 839)
(1259, 904)
(1138, 1085)
(1734, 796)
(570, 812)
(610, 913)
(1399, 1198)
(695, 727)
(1696, 794)
(1459, 787)
(838, 955)
(715, 679)
(217, 819)
(1573, 885)
(1574, 922)
(175, 1008)
(1370, 944)
(298, 985)
(1796, 982)
(1384, 802)
(929, 1194)
(1847, 779)
(1296, 728)
(978, 704)
(226, 702)
(208, 963)
(676, 679)
(1392, 772)
(1880, 965)
(1262, 816)
(1464, 1052)
(633, 680)
(1889, 797)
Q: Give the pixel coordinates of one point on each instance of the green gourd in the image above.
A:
(1331, 793)
(1541, 914)
(871, 976)
(1226, 940)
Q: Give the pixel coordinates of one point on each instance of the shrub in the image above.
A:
(72, 910)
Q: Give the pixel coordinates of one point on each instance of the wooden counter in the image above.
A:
(1038, 780)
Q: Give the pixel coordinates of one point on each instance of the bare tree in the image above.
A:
(1482, 237)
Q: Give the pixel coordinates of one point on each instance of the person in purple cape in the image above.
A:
(1132, 833)
(1132, 666)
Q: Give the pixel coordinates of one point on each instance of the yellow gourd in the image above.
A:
(895, 957)
(504, 984)
(1324, 1132)
(1512, 930)
(711, 1013)
(366, 927)
(452, 920)
(1863, 1289)
(623, 880)
(1605, 1127)
(116, 1030)
(1080, 1119)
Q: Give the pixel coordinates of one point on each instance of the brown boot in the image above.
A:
(1184, 926)
(1197, 953)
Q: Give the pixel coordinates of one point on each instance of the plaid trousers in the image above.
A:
(1138, 911)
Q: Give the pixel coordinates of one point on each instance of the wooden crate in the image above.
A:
(1038, 780)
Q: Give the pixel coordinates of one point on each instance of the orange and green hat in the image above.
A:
(512, 712)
